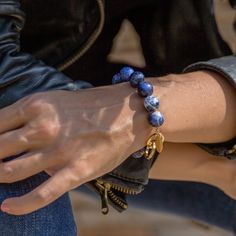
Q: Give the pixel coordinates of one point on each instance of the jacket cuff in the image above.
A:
(226, 66)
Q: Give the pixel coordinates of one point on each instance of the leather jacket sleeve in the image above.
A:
(226, 66)
(20, 73)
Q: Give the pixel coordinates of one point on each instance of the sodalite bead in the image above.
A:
(136, 78)
(116, 79)
(151, 103)
(145, 89)
(125, 73)
(156, 119)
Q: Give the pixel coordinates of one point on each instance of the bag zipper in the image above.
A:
(89, 42)
(107, 194)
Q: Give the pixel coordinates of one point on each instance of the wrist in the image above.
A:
(124, 113)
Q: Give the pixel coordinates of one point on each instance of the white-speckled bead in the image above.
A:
(151, 103)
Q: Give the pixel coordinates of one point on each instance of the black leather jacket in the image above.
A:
(70, 34)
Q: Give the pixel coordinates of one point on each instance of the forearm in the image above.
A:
(198, 107)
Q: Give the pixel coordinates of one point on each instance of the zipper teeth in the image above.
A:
(117, 200)
(124, 190)
(90, 41)
(118, 188)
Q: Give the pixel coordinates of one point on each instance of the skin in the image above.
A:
(188, 162)
(78, 136)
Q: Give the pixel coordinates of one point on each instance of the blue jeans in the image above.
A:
(53, 220)
(192, 200)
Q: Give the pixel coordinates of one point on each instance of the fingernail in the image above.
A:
(4, 207)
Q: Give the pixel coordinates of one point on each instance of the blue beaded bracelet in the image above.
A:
(151, 103)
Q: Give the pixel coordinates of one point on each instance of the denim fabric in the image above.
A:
(193, 200)
(53, 220)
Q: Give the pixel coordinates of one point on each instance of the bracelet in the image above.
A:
(151, 103)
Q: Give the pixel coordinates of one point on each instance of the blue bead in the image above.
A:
(125, 73)
(136, 78)
(145, 89)
(116, 79)
(156, 119)
(151, 103)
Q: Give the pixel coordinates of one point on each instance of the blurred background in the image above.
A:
(133, 222)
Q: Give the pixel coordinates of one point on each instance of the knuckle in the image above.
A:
(24, 140)
(48, 130)
(85, 170)
(8, 173)
(41, 197)
(44, 196)
(34, 105)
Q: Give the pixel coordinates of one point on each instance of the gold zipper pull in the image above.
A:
(105, 208)
(104, 188)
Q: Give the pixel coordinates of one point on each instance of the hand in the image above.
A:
(73, 136)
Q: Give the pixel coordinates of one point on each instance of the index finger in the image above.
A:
(40, 197)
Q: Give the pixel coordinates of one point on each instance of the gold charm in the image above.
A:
(159, 142)
(150, 150)
(154, 143)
